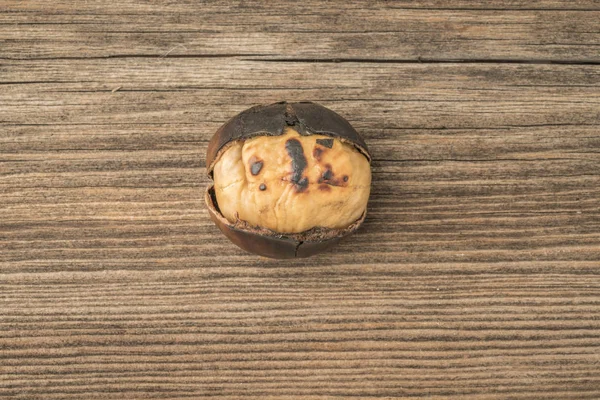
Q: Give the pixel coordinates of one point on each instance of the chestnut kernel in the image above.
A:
(304, 153)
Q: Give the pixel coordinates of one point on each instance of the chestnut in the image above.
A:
(289, 179)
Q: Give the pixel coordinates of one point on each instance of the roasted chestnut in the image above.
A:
(290, 179)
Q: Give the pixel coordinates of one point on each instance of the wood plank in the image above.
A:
(457, 150)
(475, 276)
(173, 333)
(544, 31)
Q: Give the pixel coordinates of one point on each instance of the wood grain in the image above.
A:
(475, 276)
(542, 31)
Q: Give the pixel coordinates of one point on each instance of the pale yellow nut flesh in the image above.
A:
(260, 182)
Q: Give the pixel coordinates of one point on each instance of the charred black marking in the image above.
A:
(296, 153)
(317, 152)
(327, 176)
(325, 142)
(302, 184)
(262, 186)
(255, 167)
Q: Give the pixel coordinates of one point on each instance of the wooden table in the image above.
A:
(475, 276)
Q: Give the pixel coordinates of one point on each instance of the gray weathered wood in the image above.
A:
(408, 31)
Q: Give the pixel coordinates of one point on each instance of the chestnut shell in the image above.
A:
(272, 244)
(306, 118)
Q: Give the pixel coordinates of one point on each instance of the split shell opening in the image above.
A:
(290, 179)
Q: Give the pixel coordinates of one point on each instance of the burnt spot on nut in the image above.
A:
(255, 165)
(296, 153)
(302, 184)
(328, 177)
(325, 142)
(317, 152)
(262, 187)
(324, 187)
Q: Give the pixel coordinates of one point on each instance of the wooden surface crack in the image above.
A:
(426, 61)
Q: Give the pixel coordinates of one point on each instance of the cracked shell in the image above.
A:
(306, 119)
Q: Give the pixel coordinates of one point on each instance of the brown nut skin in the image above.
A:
(272, 245)
(271, 120)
